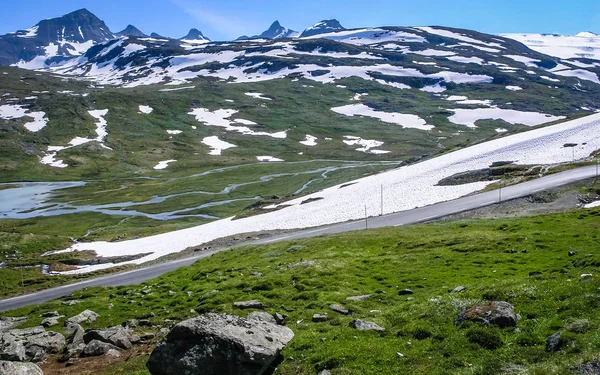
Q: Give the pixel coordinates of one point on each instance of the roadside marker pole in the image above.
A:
(366, 218)
(500, 193)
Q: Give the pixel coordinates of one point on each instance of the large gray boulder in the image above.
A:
(75, 334)
(117, 336)
(497, 313)
(30, 345)
(363, 325)
(97, 348)
(19, 368)
(7, 323)
(219, 344)
(83, 317)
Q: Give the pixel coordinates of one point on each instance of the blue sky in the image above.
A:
(227, 19)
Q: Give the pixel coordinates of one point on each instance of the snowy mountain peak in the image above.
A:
(131, 30)
(325, 26)
(276, 31)
(587, 34)
(79, 26)
(68, 35)
(195, 34)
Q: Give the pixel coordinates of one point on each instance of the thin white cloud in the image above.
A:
(229, 26)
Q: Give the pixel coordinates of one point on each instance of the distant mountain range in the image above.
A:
(54, 41)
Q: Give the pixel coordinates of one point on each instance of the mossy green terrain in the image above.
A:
(524, 261)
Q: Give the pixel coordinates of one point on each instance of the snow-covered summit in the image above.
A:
(323, 27)
(131, 30)
(276, 31)
(196, 36)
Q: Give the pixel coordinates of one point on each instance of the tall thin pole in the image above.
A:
(366, 218)
(500, 193)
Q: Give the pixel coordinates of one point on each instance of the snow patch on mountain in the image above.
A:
(217, 146)
(145, 109)
(310, 141)
(14, 111)
(221, 118)
(469, 117)
(404, 120)
(367, 145)
(163, 164)
(457, 36)
(582, 45)
(370, 36)
(268, 159)
(257, 95)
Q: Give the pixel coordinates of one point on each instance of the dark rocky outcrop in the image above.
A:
(117, 336)
(97, 348)
(219, 344)
(254, 304)
(497, 313)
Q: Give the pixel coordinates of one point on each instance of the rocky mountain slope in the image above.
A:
(69, 35)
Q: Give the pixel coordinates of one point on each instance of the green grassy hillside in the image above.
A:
(523, 261)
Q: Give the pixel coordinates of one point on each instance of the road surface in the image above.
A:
(397, 219)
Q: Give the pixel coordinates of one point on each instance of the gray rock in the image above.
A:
(359, 298)
(130, 323)
(71, 352)
(254, 304)
(257, 274)
(29, 345)
(97, 348)
(325, 372)
(458, 289)
(117, 336)
(50, 314)
(18, 368)
(363, 325)
(113, 353)
(49, 322)
(7, 323)
(145, 323)
(280, 319)
(320, 318)
(405, 292)
(207, 294)
(262, 316)
(219, 344)
(70, 303)
(553, 342)
(74, 334)
(86, 316)
(339, 309)
(498, 313)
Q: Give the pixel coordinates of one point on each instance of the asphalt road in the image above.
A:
(397, 219)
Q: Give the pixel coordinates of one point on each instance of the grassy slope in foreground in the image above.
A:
(492, 258)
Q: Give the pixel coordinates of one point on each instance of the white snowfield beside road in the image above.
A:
(403, 189)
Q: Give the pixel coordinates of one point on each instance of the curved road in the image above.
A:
(397, 219)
